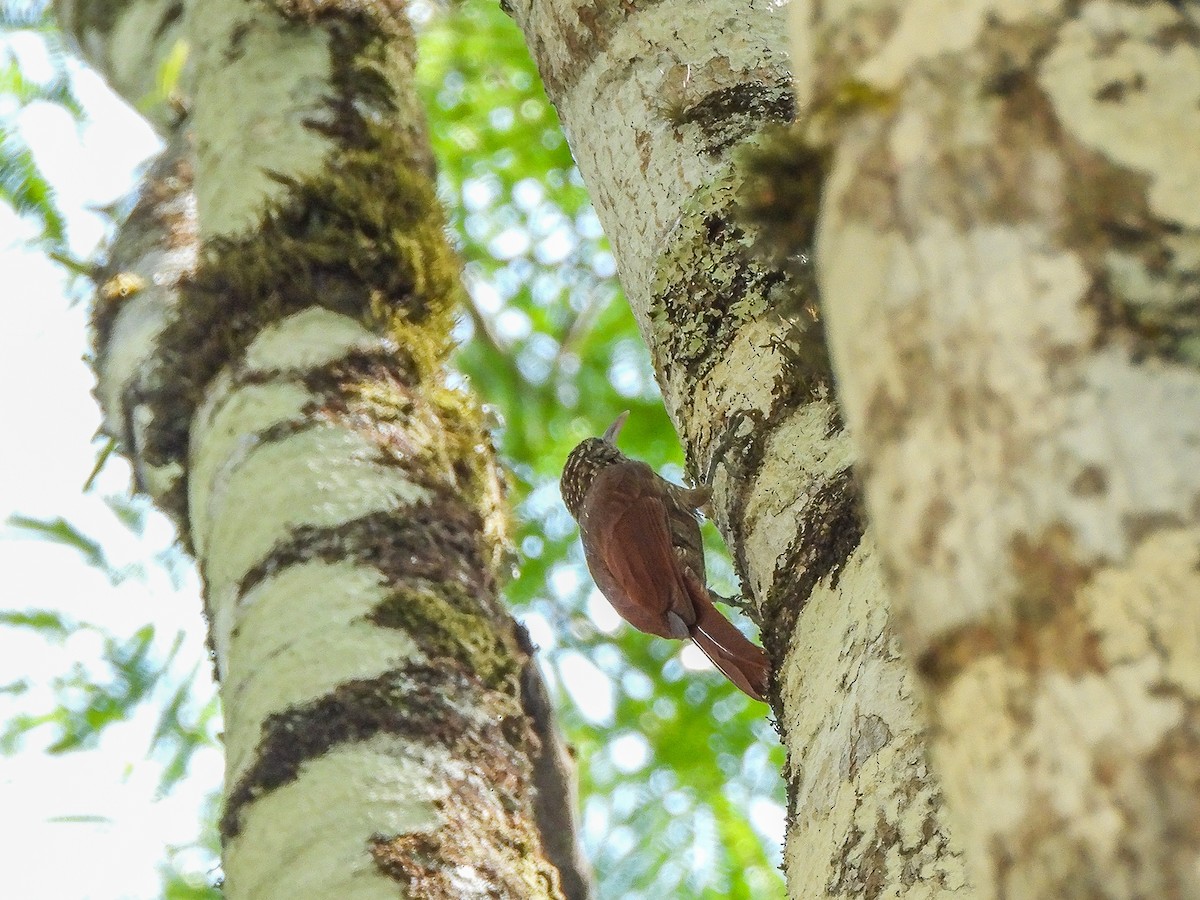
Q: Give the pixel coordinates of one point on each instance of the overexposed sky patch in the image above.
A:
(100, 803)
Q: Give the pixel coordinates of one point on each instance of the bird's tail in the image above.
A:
(729, 650)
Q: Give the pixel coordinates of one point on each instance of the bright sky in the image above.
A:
(100, 804)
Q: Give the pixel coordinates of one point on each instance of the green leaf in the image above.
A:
(168, 79)
(59, 531)
(102, 457)
(52, 625)
(25, 189)
(80, 820)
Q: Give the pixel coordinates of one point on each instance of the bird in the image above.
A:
(641, 540)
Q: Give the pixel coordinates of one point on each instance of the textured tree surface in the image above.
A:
(1008, 255)
(657, 100)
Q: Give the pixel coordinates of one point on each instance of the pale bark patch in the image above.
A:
(306, 340)
(927, 29)
(744, 377)
(857, 768)
(1149, 608)
(326, 638)
(983, 386)
(770, 515)
(224, 429)
(323, 475)
(327, 815)
(1071, 757)
(280, 75)
(1123, 90)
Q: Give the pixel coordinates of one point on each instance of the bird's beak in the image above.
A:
(610, 436)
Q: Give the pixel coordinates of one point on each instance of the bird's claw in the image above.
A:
(738, 602)
(724, 443)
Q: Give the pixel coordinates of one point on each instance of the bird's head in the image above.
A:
(588, 458)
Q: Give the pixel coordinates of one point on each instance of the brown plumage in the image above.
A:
(643, 547)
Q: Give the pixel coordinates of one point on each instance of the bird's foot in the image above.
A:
(740, 603)
(696, 498)
(723, 444)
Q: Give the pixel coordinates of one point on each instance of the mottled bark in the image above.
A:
(270, 331)
(1009, 259)
(657, 100)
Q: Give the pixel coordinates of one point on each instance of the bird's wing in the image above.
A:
(629, 552)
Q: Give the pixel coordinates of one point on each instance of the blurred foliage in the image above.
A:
(108, 678)
(88, 699)
(132, 513)
(190, 872)
(125, 672)
(22, 184)
(671, 761)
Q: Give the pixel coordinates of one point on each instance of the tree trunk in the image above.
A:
(270, 335)
(657, 100)
(1009, 256)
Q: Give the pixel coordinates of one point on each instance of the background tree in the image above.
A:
(662, 103)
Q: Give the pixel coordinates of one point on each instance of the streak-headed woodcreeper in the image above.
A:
(643, 547)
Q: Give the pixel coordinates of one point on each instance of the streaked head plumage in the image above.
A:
(588, 458)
